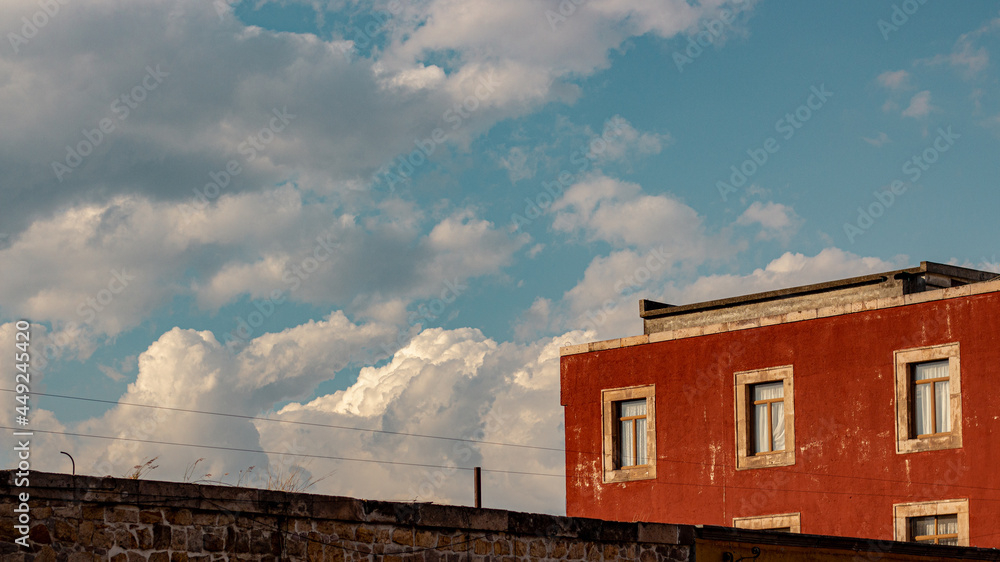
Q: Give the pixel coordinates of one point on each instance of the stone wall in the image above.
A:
(85, 518)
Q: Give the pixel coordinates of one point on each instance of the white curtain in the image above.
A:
(778, 425)
(626, 441)
(922, 409)
(926, 423)
(942, 403)
(640, 442)
(633, 431)
(764, 432)
(947, 525)
(922, 527)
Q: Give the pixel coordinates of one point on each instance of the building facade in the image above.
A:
(865, 407)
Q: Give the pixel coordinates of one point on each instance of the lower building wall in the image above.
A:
(119, 520)
(83, 519)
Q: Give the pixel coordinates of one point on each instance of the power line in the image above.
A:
(465, 440)
(495, 471)
(311, 424)
(304, 455)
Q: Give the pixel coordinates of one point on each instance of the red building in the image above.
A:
(865, 407)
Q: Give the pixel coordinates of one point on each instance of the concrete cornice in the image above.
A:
(797, 316)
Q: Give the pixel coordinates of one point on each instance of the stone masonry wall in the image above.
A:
(80, 518)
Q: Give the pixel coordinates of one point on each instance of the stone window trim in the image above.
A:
(790, 521)
(903, 512)
(904, 360)
(609, 398)
(744, 380)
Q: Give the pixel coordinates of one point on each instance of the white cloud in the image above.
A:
(535, 320)
(454, 383)
(920, 105)
(777, 221)
(96, 270)
(619, 141)
(965, 56)
(788, 270)
(193, 370)
(614, 211)
(895, 79)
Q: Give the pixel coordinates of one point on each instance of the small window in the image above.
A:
(765, 418)
(931, 415)
(934, 522)
(629, 434)
(769, 417)
(928, 399)
(934, 529)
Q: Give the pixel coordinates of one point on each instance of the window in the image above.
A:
(765, 428)
(632, 433)
(768, 418)
(934, 529)
(936, 522)
(629, 433)
(785, 522)
(928, 399)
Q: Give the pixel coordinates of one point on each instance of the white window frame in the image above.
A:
(744, 380)
(609, 399)
(903, 512)
(906, 439)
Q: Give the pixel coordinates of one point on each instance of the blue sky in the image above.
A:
(390, 215)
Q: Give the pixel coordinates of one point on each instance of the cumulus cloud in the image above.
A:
(96, 270)
(271, 105)
(620, 141)
(894, 79)
(776, 221)
(920, 105)
(193, 370)
(653, 238)
(788, 270)
(451, 383)
(618, 212)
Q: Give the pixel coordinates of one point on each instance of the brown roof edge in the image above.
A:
(654, 309)
(965, 273)
(938, 552)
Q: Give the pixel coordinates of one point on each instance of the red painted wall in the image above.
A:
(847, 474)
